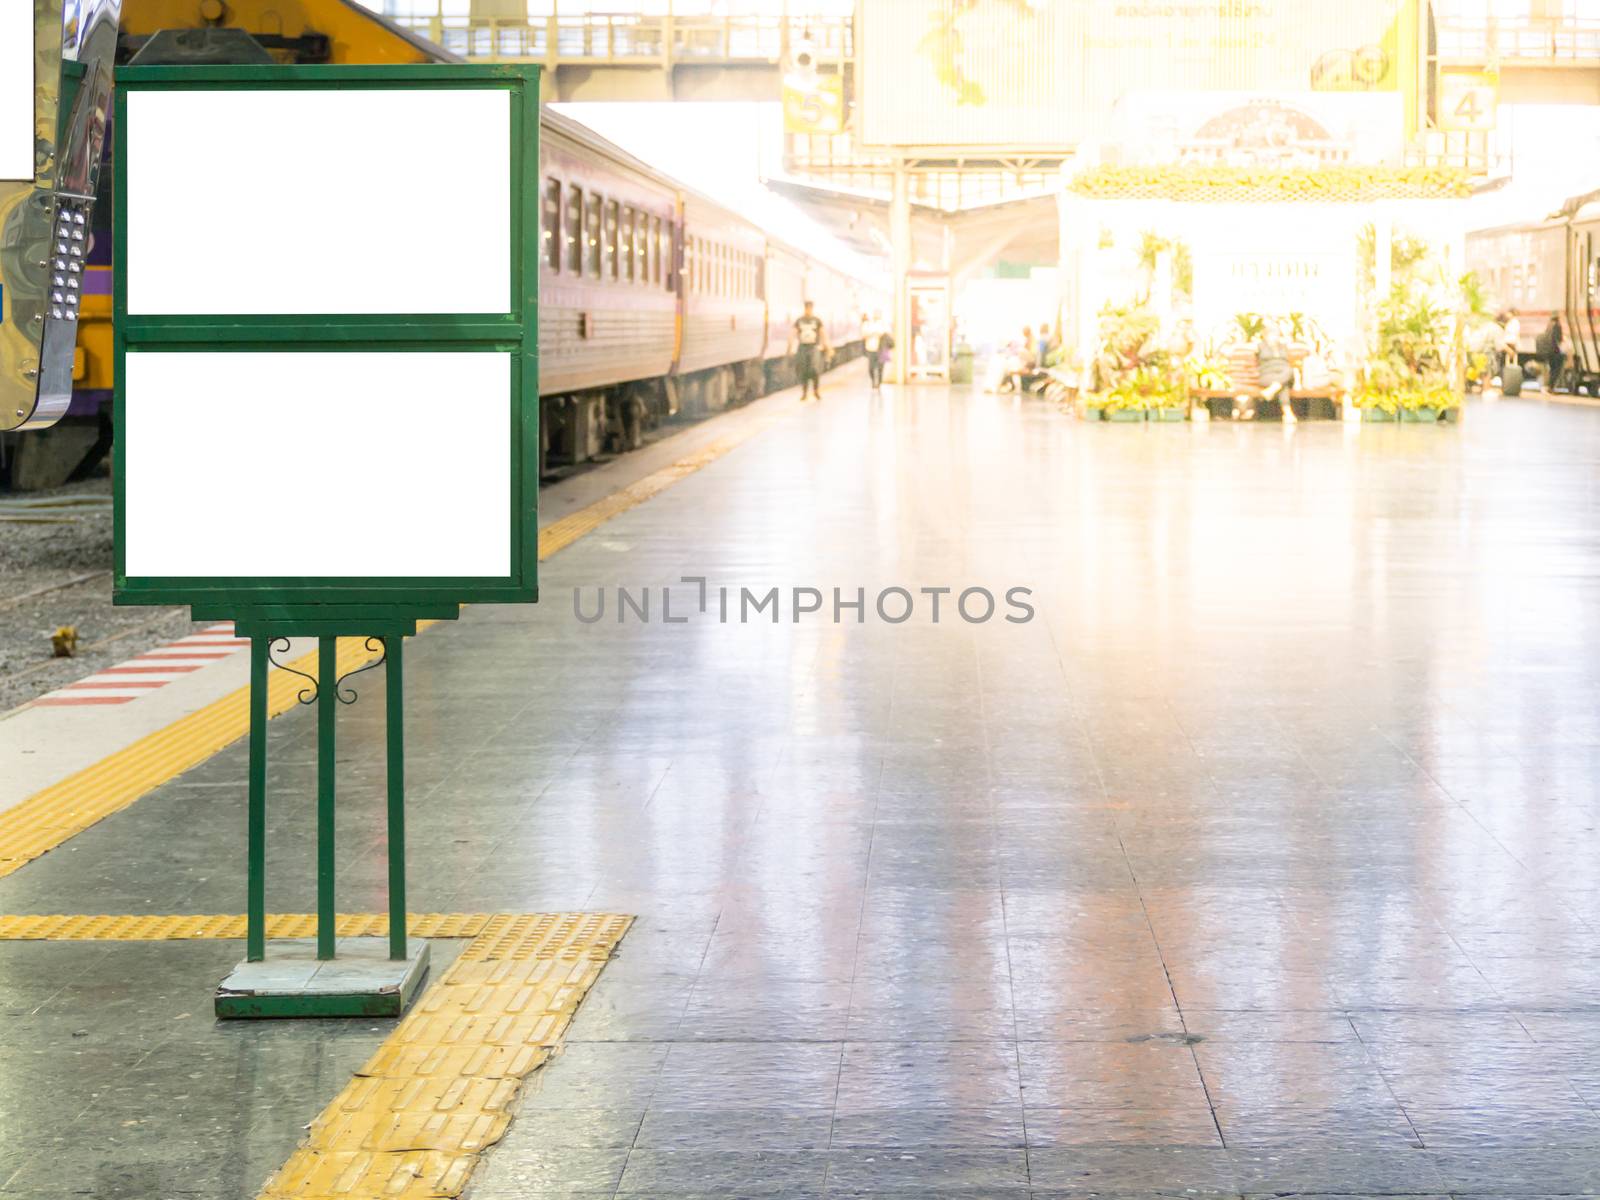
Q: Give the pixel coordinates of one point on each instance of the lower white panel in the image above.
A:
(317, 464)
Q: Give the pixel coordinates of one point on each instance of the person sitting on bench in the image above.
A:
(1276, 372)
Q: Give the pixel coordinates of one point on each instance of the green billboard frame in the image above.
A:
(269, 610)
(359, 600)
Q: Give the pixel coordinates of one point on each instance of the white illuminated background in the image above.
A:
(318, 201)
(16, 90)
(317, 464)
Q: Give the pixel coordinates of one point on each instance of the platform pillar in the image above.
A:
(900, 239)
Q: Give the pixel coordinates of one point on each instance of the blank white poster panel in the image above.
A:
(320, 201)
(16, 90)
(321, 464)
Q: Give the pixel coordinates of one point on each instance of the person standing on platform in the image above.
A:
(810, 345)
(873, 335)
(1510, 340)
(1551, 353)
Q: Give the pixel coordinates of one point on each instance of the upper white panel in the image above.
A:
(16, 90)
(318, 201)
(343, 464)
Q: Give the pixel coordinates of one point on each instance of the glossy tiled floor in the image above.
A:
(1265, 860)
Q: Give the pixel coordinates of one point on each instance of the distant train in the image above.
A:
(654, 299)
(1544, 268)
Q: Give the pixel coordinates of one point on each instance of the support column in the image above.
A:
(1382, 259)
(900, 238)
(327, 711)
(256, 820)
(395, 734)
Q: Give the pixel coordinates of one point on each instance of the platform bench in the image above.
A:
(1309, 404)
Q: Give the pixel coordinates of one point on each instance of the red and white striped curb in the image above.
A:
(151, 670)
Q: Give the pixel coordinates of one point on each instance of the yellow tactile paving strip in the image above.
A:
(442, 1088)
(560, 534)
(74, 928)
(46, 819)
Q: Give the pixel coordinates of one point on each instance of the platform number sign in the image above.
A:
(325, 303)
(1468, 100)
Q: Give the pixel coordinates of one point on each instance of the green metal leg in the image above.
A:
(256, 837)
(395, 730)
(327, 709)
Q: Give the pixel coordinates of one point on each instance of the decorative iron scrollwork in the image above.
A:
(383, 652)
(281, 646)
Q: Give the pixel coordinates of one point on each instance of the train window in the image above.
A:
(761, 277)
(669, 250)
(591, 232)
(642, 245)
(611, 240)
(648, 226)
(574, 229)
(641, 261)
(625, 244)
(641, 248)
(551, 233)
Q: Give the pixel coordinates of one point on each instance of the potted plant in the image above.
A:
(1136, 377)
(1409, 378)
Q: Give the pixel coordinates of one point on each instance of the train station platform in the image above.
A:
(1254, 857)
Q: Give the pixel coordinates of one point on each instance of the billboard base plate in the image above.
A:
(363, 981)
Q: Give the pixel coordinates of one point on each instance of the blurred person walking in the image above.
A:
(876, 340)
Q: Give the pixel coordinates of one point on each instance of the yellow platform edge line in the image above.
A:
(418, 1116)
(65, 809)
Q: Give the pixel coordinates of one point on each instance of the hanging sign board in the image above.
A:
(325, 300)
(16, 93)
(1468, 100)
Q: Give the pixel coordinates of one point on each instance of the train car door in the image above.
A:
(1583, 270)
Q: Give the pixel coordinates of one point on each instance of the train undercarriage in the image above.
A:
(600, 423)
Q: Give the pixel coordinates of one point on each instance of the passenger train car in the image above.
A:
(1544, 268)
(654, 300)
